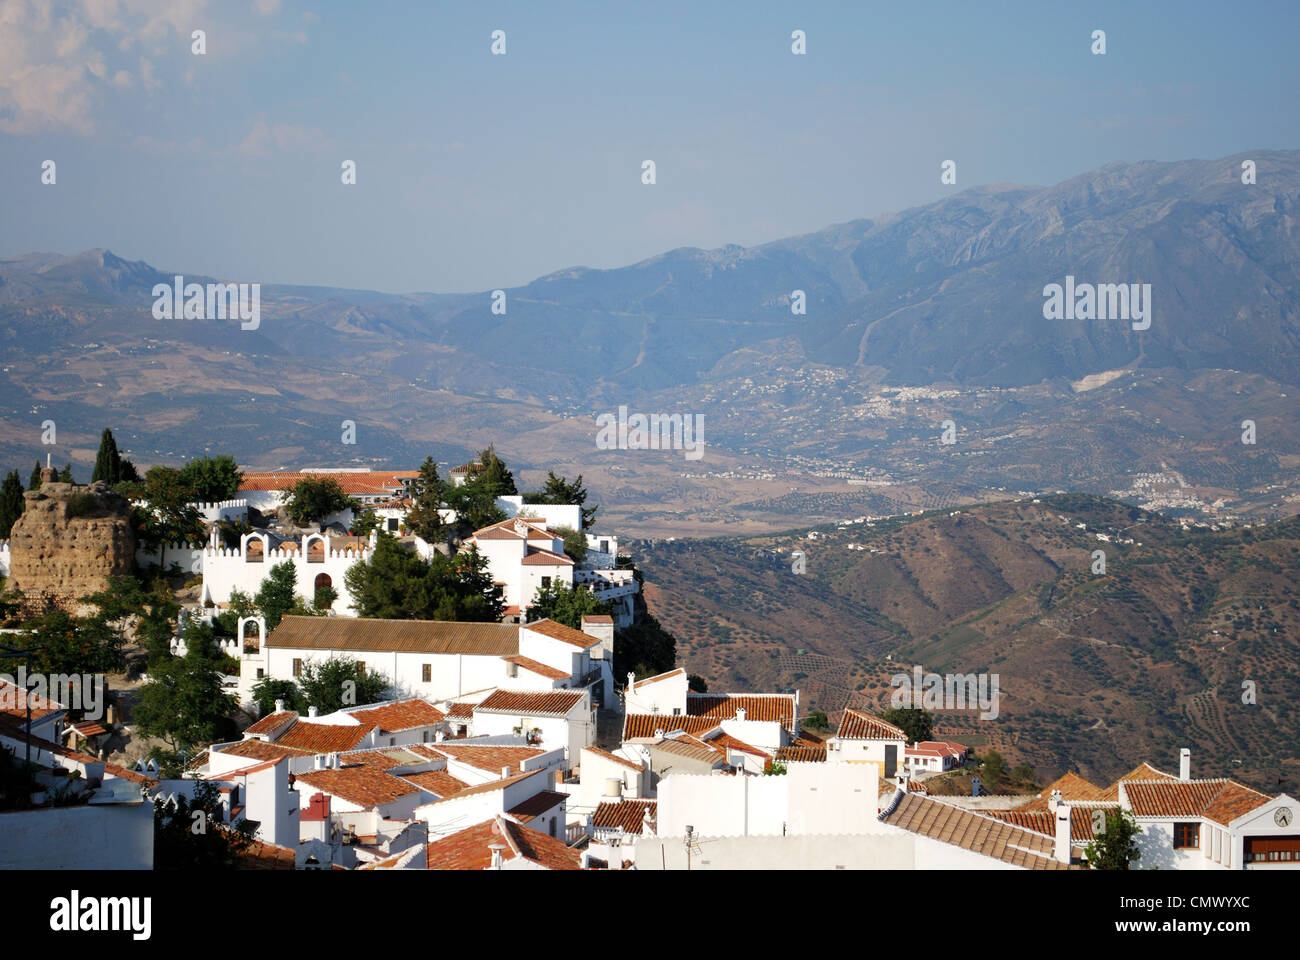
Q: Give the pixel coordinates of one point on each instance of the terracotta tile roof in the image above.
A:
(627, 814)
(946, 823)
(324, 737)
(364, 786)
(460, 711)
(469, 849)
(438, 782)
(360, 634)
(612, 756)
(940, 748)
(13, 700)
(261, 750)
(797, 754)
(271, 723)
(642, 726)
(811, 738)
(859, 725)
(401, 715)
(1044, 821)
(557, 703)
(369, 483)
(778, 707)
(134, 776)
(200, 759)
(487, 758)
(508, 529)
(679, 672)
(597, 618)
(536, 805)
(266, 856)
(725, 741)
(490, 786)
(1073, 788)
(689, 748)
(537, 667)
(558, 631)
(1214, 799)
(1143, 771)
(545, 558)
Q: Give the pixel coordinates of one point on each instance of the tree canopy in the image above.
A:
(312, 499)
(212, 479)
(110, 465)
(427, 492)
(339, 682)
(1115, 847)
(12, 503)
(397, 584)
(184, 703)
(189, 834)
(915, 722)
(559, 490)
(644, 649)
(567, 605)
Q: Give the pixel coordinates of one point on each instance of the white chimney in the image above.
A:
(497, 849)
(505, 772)
(631, 683)
(311, 711)
(1184, 764)
(740, 714)
(279, 706)
(1054, 800)
(1062, 831)
(439, 736)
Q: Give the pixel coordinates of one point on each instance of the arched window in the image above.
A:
(322, 580)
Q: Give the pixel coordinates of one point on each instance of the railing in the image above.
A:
(575, 833)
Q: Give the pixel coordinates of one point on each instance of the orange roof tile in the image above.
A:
(798, 754)
(261, 750)
(778, 707)
(859, 725)
(725, 741)
(1214, 799)
(545, 558)
(369, 483)
(271, 723)
(534, 666)
(558, 631)
(364, 786)
(401, 715)
(679, 672)
(13, 701)
(642, 726)
(469, 849)
(1143, 771)
(627, 814)
(438, 782)
(557, 703)
(972, 831)
(490, 759)
(324, 737)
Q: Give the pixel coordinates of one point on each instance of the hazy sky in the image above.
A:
(478, 171)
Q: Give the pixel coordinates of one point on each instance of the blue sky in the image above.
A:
(478, 171)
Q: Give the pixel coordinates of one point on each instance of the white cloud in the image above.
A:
(266, 138)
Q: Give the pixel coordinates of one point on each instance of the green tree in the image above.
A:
(644, 649)
(337, 683)
(312, 499)
(915, 722)
(278, 594)
(65, 475)
(34, 481)
(167, 516)
(189, 833)
(363, 523)
(427, 491)
(994, 770)
(559, 490)
(567, 605)
(697, 684)
(62, 643)
(398, 585)
(1116, 847)
(495, 479)
(268, 690)
(575, 543)
(108, 462)
(212, 479)
(184, 703)
(11, 502)
(817, 720)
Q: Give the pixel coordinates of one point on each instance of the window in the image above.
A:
(546, 582)
(297, 667)
(552, 826)
(426, 736)
(361, 668)
(1187, 835)
(392, 524)
(260, 673)
(677, 711)
(426, 672)
(392, 741)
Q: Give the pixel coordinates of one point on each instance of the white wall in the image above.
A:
(110, 836)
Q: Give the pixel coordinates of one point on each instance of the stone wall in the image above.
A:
(54, 557)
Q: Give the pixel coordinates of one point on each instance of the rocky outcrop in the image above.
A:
(68, 542)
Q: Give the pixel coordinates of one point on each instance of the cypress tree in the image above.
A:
(66, 475)
(11, 502)
(35, 482)
(108, 463)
